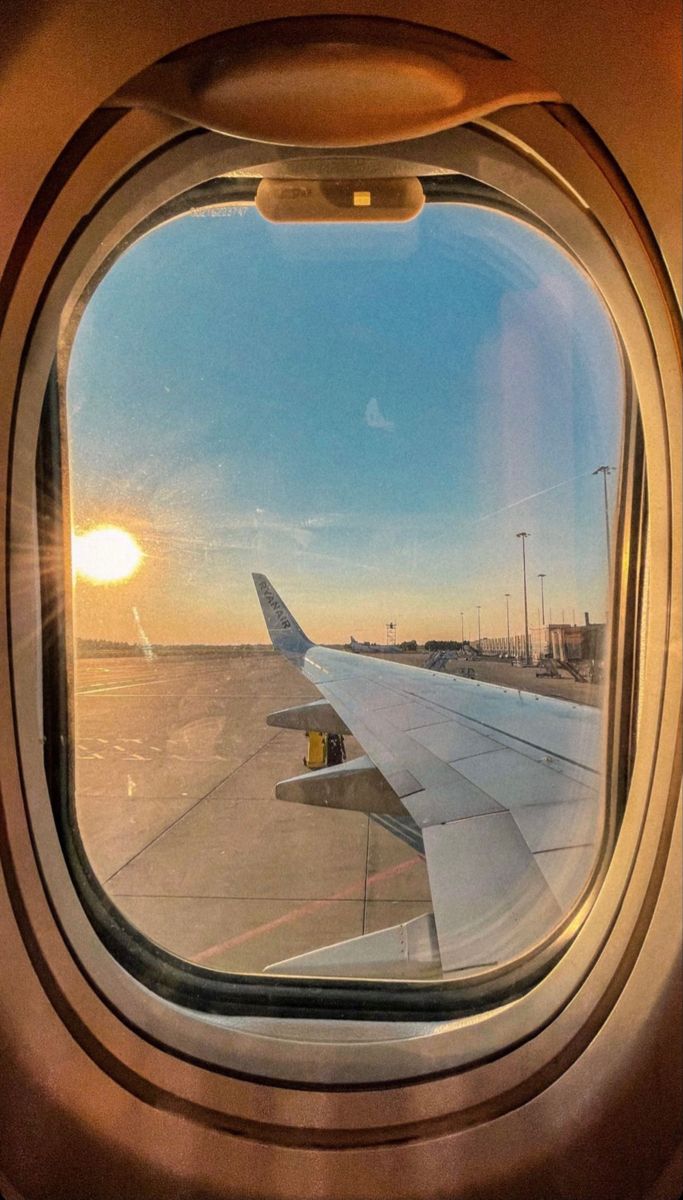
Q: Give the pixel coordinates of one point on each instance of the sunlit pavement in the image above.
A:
(176, 770)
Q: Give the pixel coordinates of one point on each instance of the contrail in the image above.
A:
(514, 504)
(531, 496)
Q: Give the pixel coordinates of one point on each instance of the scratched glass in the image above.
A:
(410, 434)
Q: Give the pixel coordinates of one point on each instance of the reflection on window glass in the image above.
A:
(397, 429)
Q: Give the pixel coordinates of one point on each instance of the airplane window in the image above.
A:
(342, 506)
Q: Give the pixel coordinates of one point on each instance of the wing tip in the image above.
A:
(284, 630)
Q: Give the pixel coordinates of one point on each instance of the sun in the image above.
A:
(106, 554)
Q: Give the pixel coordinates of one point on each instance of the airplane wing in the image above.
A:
(502, 786)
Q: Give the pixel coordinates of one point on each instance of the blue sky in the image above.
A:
(356, 410)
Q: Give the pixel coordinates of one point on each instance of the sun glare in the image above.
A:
(106, 554)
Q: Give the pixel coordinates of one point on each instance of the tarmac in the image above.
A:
(175, 777)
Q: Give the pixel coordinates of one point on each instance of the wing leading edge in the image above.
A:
(500, 787)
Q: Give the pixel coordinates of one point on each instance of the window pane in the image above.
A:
(411, 433)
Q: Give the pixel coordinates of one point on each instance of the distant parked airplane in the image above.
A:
(368, 647)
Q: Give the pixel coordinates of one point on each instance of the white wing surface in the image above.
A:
(503, 785)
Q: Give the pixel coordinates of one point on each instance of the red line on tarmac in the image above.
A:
(302, 911)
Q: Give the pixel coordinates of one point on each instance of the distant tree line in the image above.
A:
(100, 648)
(95, 647)
(407, 645)
(436, 644)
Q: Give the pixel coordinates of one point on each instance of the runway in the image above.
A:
(175, 777)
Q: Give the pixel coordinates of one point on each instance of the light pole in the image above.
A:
(542, 577)
(479, 623)
(605, 471)
(544, 640)
(507, 610)
(524, 537)
(462, 629)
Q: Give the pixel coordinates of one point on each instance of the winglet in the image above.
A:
(286, 634)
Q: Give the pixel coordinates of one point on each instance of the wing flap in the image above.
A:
(411, 947)
(566, 870)
(491, 900)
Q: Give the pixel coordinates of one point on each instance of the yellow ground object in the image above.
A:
(316, 750)
(324, 750)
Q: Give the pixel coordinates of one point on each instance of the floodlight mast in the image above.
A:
(541, 576)
(605, 471)
(524, 536)
(544, 640)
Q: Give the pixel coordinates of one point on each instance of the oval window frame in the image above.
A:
(255, 1048)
